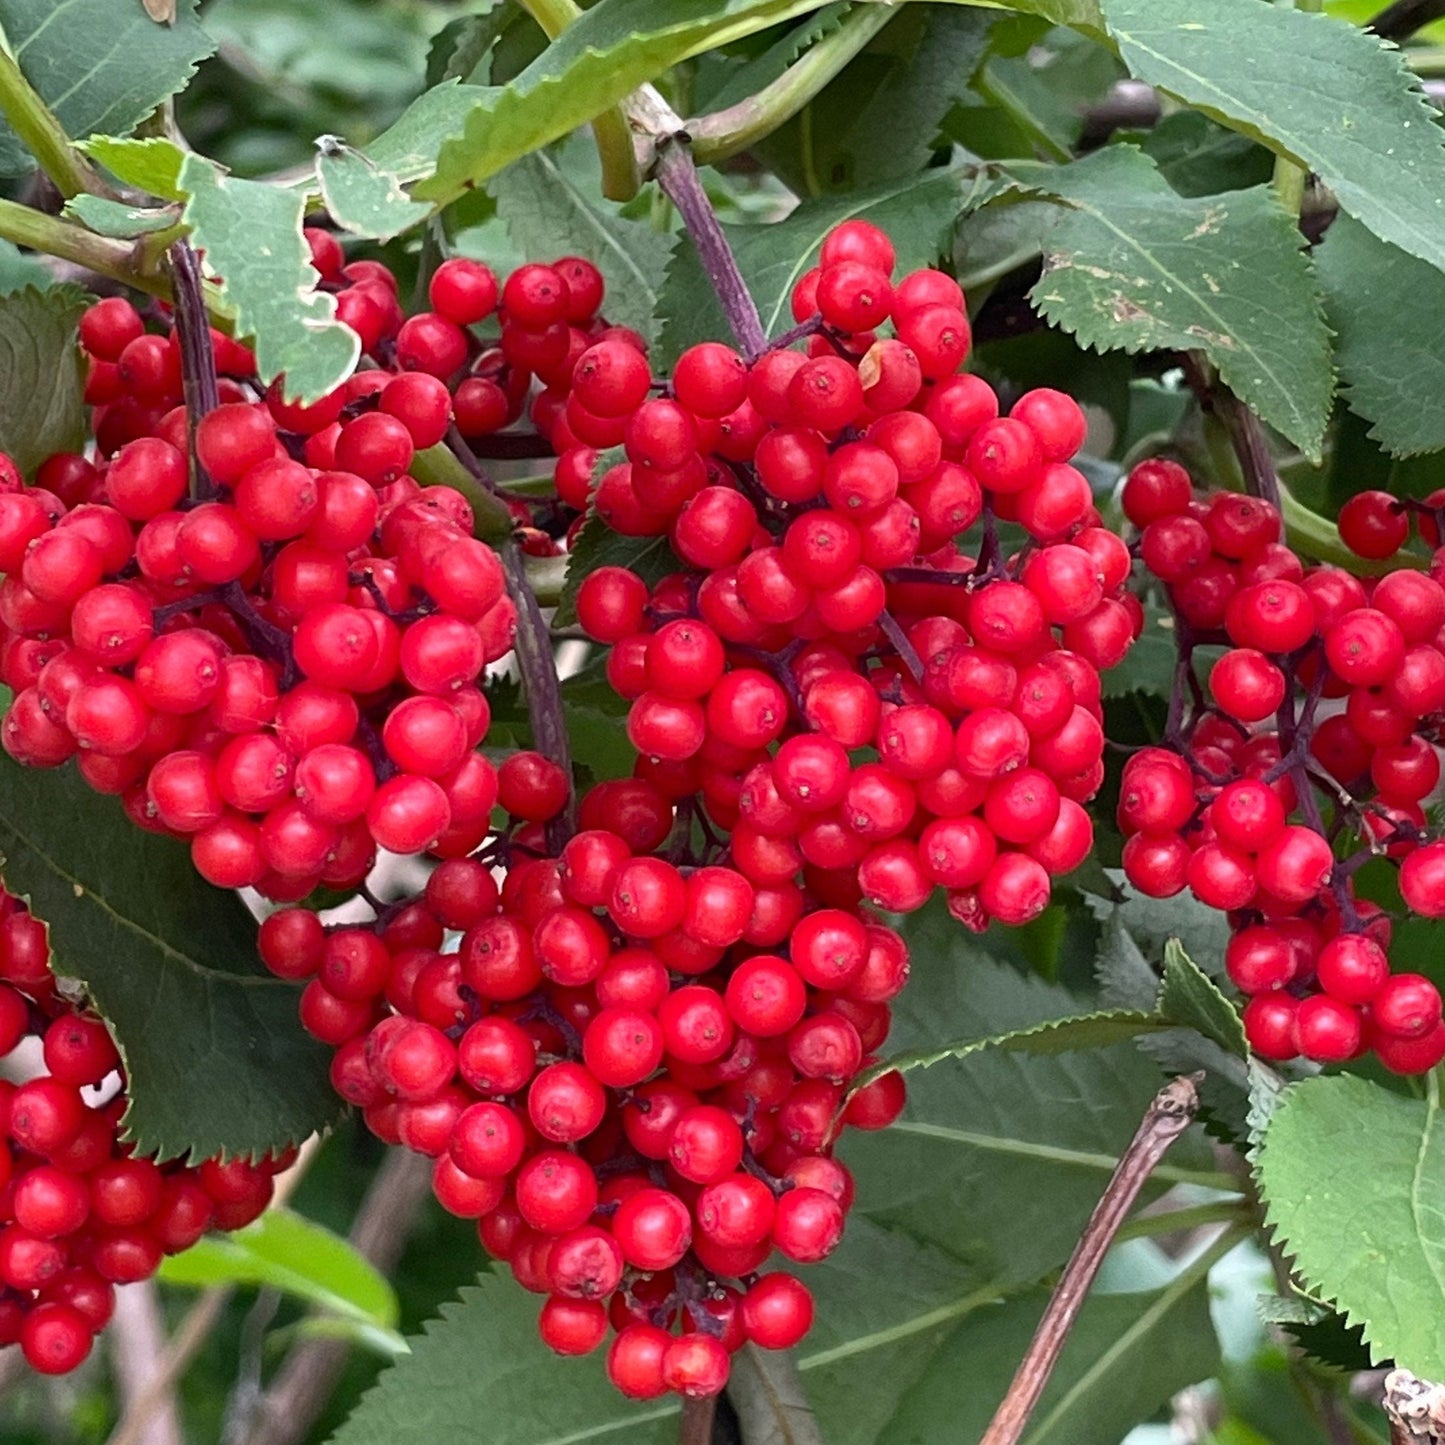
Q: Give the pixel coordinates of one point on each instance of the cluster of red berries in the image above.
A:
(1323, 725)
(80, 1211)
(617, 1075)
(271, 650)
(850, 694)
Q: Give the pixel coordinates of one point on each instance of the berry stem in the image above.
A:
(905, 649)
(724, 133)
(676, 173)
(1168, 1116)
(198, 359)
(40, 130)
(695, 1427)
(538, 665)
(1241, 425)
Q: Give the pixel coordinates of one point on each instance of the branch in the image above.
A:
(1402, 19)
(43, 135)
(1245, 433)
(1415, 1409)
(198, 360)
(695, 1427)
(1167, 1118)
(538, 665)
(38, 231)
(137, 1352)
(724, 133)
(307, 1378)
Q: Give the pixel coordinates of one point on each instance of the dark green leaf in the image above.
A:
(1383, 305)
(251, 234)
(1198, 157)
(152, 165)
(1135, 266)
(362, 198)
(766, 1390)
(216, 1058)
(19, 270)
(547, 213)
(918, 213)
(281, 1250)
(1149, 664)
(114, 218)
(41, 411)
(1367, 1232)
(462, 44)
(1189, 996)
(1361, 122)
(103, 65)
(744, 78)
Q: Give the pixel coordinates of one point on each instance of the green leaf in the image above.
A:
(1381, 303)
(766, 1390)
(1189, 996)
(103, 65)
(216, 1058)
(1148, 666)
(41, 410)
(1080, 14)
(608, 52)
(918, 213)
(251, 234)
(1134, 266)
(152, 165)
(362, 198)
(1369, 1236)
(19, 270)
(1198, 157)
(281, 1250)
(462, 44)
(548, 213)
(597, 545)
(482, 1361)
(1053, 1036)
(1361, 122)
(114, 218)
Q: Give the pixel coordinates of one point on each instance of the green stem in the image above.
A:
(1175, 1221)
(620, 175)
(545, 576)
(42, 134)
(724, 133)
(438, 466)
(1291, 178)
(26, 226)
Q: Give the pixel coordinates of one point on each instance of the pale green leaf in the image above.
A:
(1132, 265)
(114, 218)
(548, 213)
(103, 65)
(1334, 98)
(281, 1250)
(41, 411)
(1353, 1178)
(152, 165)
(1384, 306)
(361, 197)
(19, 269)
(251, 234)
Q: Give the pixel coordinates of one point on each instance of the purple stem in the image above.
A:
(538, 664)
(198, 360)
(680, 182)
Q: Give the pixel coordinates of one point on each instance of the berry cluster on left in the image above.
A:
(80, 1210)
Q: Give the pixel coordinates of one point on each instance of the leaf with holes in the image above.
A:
(361, 197)
(1134, 266)
(103, 65)
(918, 213)
(1383, 305)
(41, 410)
(548, 214)
(1361, 122)
(216, 1057)
(251, 234)
(1366, 1227)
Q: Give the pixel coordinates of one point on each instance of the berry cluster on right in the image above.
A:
(1312, 751)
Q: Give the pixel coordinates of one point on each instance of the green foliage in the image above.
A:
(918, 213)
(1132, 264)
(150, 164)
(103, 65)
(285, 1252)
(251, 234)
(361, 198)
(215, 1056)
(1382, 305)
(1359, 121)
(1189, 996)
(40, 378)
(652, 558)
(114, 218)
(550, 210)
(1366, 1232)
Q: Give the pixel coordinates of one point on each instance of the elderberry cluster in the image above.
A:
(849, 692)
(80, 1210)
(1313, 751)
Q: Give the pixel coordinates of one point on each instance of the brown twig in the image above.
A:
(697, 1419)
(1402, 19)
(1170, 1113)
(307, 1378)
(137, 1350)
(1415, 1409)
(1246, 435)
